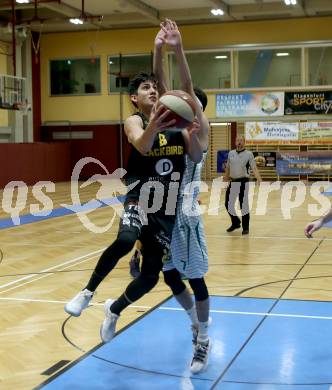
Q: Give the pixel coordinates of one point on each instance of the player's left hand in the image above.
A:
(160, 38)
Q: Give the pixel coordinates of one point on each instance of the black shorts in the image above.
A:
(153, 227)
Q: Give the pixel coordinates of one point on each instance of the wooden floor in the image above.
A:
(45, 263)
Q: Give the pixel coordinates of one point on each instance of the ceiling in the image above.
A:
(53, 15)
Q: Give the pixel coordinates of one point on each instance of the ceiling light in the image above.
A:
(110, 62)
(76, 21)
(290, 2)
(217, 11)
(282, 54)
(219, 124)
(22, 1)
(223, 57)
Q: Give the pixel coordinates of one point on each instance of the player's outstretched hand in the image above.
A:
(312, 227)
(172, 35)
(160, 38)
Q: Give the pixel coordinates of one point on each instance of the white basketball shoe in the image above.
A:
(79, 303)
(107, 328)
(201, 357)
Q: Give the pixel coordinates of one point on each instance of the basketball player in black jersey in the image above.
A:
(156, 164)
(181, 253)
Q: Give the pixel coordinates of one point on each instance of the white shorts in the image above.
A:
(188, 253)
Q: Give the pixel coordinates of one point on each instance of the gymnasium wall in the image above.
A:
(105, 107)
(102, 142)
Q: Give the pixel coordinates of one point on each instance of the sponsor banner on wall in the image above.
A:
(319, 102)
(271, 132)
(316, 132)
(222, 157)
(250, 104)
(265, 159)
(304, 163)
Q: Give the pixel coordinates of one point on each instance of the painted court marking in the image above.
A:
(70, 262)
(232, 312)
(268, 237)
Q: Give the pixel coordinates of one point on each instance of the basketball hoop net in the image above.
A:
(23, 107)
(94, 40)
(36, 45)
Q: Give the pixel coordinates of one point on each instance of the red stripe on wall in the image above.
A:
(32, 162)
(104, 146)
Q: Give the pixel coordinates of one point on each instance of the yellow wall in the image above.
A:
(105, 107)
(3, 70)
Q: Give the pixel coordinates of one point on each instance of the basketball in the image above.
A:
(182, 108)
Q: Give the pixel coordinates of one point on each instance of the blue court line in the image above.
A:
(6, 223)
(155, 352)
(328, 191)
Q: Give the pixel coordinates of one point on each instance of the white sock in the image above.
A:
(203, 335)
(88, 291)
(192, 313)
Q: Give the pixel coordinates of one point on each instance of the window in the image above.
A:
(130, 66)
(320, 64)
(209, 70)
(270, 68)
(75, 76)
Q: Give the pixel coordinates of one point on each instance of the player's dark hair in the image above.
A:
(137, 80)
(202, 97)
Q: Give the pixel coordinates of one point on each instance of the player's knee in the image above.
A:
(149, 281)
(173, 280)
(199, 289)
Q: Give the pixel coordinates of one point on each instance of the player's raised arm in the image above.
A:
(174, 40)
(158, 67)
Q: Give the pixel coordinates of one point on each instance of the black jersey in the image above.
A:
(165, 157)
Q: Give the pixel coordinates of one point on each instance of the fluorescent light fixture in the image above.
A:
(222, 57)
(290, 2)
(282, 54)
(76, 21)
(219, 123)
(217, 11)
(22, 1)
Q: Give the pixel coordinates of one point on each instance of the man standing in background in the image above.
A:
(237, 174)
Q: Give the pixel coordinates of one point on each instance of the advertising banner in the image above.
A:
(297, 103)
(304, 163)
(265, 159)
(316, 132)
(222, 156)
(250, 104)
(271, 132)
